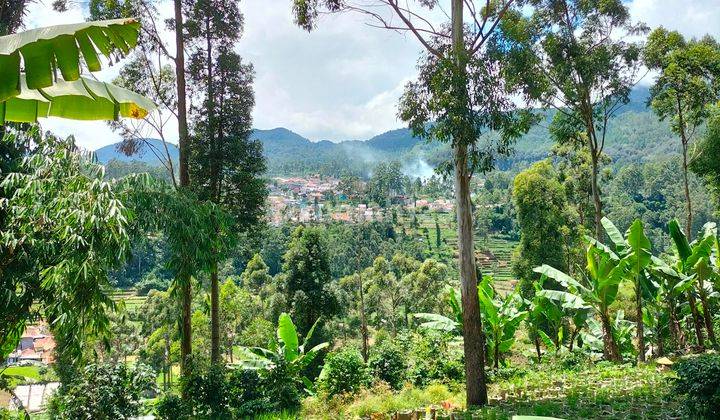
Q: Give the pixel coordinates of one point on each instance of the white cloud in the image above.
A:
(341, 81)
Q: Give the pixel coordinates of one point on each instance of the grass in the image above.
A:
(595, 392)
(32, 372)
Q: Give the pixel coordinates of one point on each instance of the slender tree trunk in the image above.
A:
(696, 320)
(214, 315)
(474, 346)
(363, 320)
(686, 184)
(707, 316)
(596, 194)
(184, 146)
(640, 323)
(186, 335)
(474, 342)
(537, 348)
(675, 329)
(610, 349)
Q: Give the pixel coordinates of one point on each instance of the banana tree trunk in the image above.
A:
(610, 348)
(696, 321)
(707, 316)
(640, 322)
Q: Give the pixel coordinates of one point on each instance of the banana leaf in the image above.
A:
(82, 99)
(42, 51)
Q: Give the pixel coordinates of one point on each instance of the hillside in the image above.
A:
(635, 135)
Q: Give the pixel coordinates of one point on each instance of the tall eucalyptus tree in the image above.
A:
(461, 91)
(576, 56)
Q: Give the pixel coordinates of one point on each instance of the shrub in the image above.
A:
(103, 392)
(170, 406)
(388, 363)
(699, 381)
(434, 358)
(344, 371)
(248, 394)
(151, 282)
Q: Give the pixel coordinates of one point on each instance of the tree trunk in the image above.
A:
(474, 346)
(474, 341)
(640, 323)
(675, 330)
(214, 315)
(696, 321)
(610, 349)
(688, 203)
(184, 146)
(537, 348)
(596, 194)
(707, 316)
(186, 336)
(363, 321)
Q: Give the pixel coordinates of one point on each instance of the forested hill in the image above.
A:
(635, 135)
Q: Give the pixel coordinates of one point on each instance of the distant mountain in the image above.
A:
(635, 135)
(148, 153)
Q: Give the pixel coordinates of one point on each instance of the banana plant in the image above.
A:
(501, 318)
(42, 51)
(37, 92)
(286, 353)
(636, 248)
(597, 289)
(543, 314)
(693, 265)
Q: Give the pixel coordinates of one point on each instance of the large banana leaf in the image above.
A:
(82, 99)
(41, 51)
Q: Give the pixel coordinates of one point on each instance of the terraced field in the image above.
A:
(494, 254)
(129, 297)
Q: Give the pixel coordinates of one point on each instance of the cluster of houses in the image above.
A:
(305, 200)
(36, 346)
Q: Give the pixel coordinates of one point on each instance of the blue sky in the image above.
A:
(343, 80)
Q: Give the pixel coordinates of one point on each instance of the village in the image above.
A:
(317, 199)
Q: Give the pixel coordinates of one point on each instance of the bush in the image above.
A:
(388, 363)
(248, 393)
(699, 381)
(344, 371)
(151, 282)
(103, 392)
(170, 406)
(434, 358)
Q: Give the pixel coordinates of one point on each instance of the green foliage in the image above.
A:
(284, 362)
(256, 274)
(307, 278)
(699, 382)
(217, 393)
(388, 363)
(151, 282)
(433, 356)
(547, 227)
(103, 392)
(501, 319)
(344, 371)
(64, 228)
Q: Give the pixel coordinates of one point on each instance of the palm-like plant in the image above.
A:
(36, 92)
(286, 352)
(597, 290)
(635, 247)
(40, 51)
(501, 318)
(694, 267)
